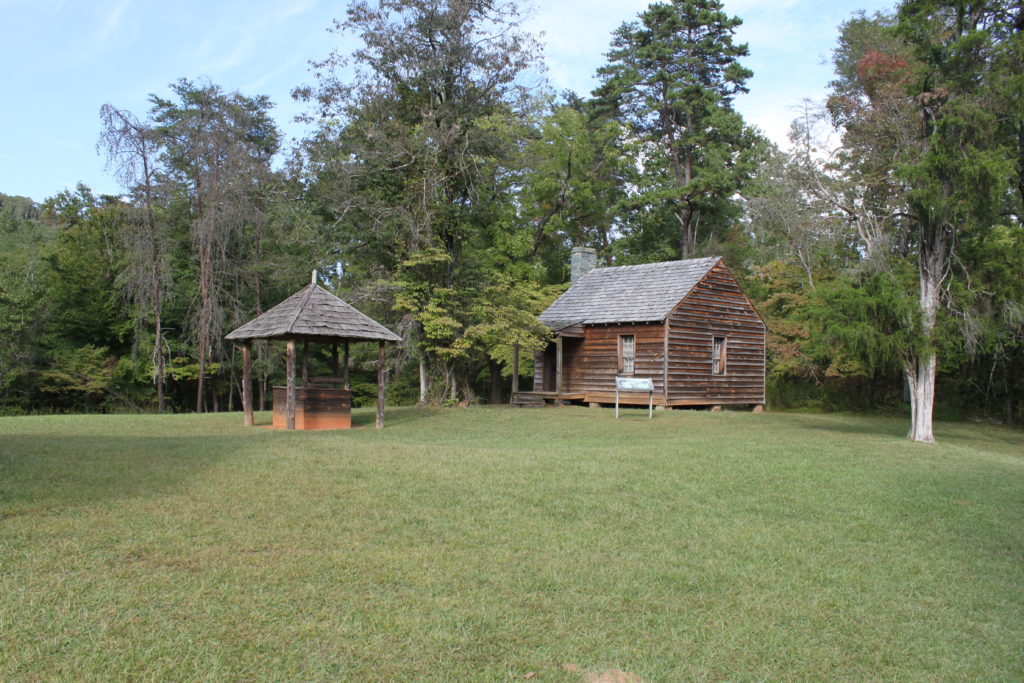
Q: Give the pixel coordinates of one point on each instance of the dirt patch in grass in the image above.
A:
(613, 676)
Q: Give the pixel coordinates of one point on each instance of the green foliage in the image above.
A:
(415, 167)
(81, 375)
(783, 304)
(888, 227)
(14, 211)
(505, 315)
(964, 171)
(442, 196)
(215, 151)
(573, 185)
(671, 78)
(25, 312)
(434, 308)
(872, 320)
(86, 260)
(184, 369)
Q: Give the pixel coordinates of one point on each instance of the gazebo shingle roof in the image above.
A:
(313, 312)
(627, 294)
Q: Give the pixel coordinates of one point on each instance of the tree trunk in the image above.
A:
(424, 382)
(452, 387)
(682, 170)
(231, 384)
(930, 271)
(515, 371)
(923, 400)
(201, 385)
(910, 372)
(204, 320)
(159, 363)
(380, 385)
(687, 237)
(495, 369)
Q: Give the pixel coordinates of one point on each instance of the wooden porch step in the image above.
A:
(528, 400)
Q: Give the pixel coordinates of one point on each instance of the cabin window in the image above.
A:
(718, 356)
(627, 354)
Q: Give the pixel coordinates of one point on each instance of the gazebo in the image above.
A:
(312, 315)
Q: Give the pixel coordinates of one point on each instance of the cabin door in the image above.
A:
(550, 368)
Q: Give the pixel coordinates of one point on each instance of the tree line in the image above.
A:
(442, 186)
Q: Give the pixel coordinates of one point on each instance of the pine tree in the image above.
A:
(671, 78)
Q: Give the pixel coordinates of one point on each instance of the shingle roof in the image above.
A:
(313, 312)
(627, 294)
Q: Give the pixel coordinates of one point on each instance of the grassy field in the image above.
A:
(490, 544)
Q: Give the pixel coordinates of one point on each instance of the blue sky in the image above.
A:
(63, 59)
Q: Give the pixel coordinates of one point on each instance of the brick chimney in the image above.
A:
(582, 261)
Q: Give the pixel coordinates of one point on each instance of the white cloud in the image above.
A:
(111, 31)
(575, 42)
(271, 75)
(224, 62)
(66, 144)
(295, 8)
(112, 22)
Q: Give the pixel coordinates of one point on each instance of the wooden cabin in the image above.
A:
(686, 325)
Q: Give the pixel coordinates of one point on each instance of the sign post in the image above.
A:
(635, 384)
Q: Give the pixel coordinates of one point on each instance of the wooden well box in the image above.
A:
(315, 408)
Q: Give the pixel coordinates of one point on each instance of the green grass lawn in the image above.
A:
(491, 543)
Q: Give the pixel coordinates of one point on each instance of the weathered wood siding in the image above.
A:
(716, 307)
(315, 408)
(591, 364)
(538, 371)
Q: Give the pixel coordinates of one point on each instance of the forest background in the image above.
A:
(444, 185)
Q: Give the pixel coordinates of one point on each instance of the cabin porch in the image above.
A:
(530, 399)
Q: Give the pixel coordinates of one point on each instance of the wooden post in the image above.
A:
(380, 384)
(667, 331)
(247, 383)
(305, 364)
(515, 372)
(558, 365)
(335, 365)
(289, 409)
(345, 375)
(764, 365)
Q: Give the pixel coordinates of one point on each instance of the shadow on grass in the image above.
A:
(49, 463)
(954, 433)
(393, 417)
(361, 417)
(37, 471)
(845, 423)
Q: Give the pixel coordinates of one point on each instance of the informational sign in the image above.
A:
(644, 384)
(634, 384)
